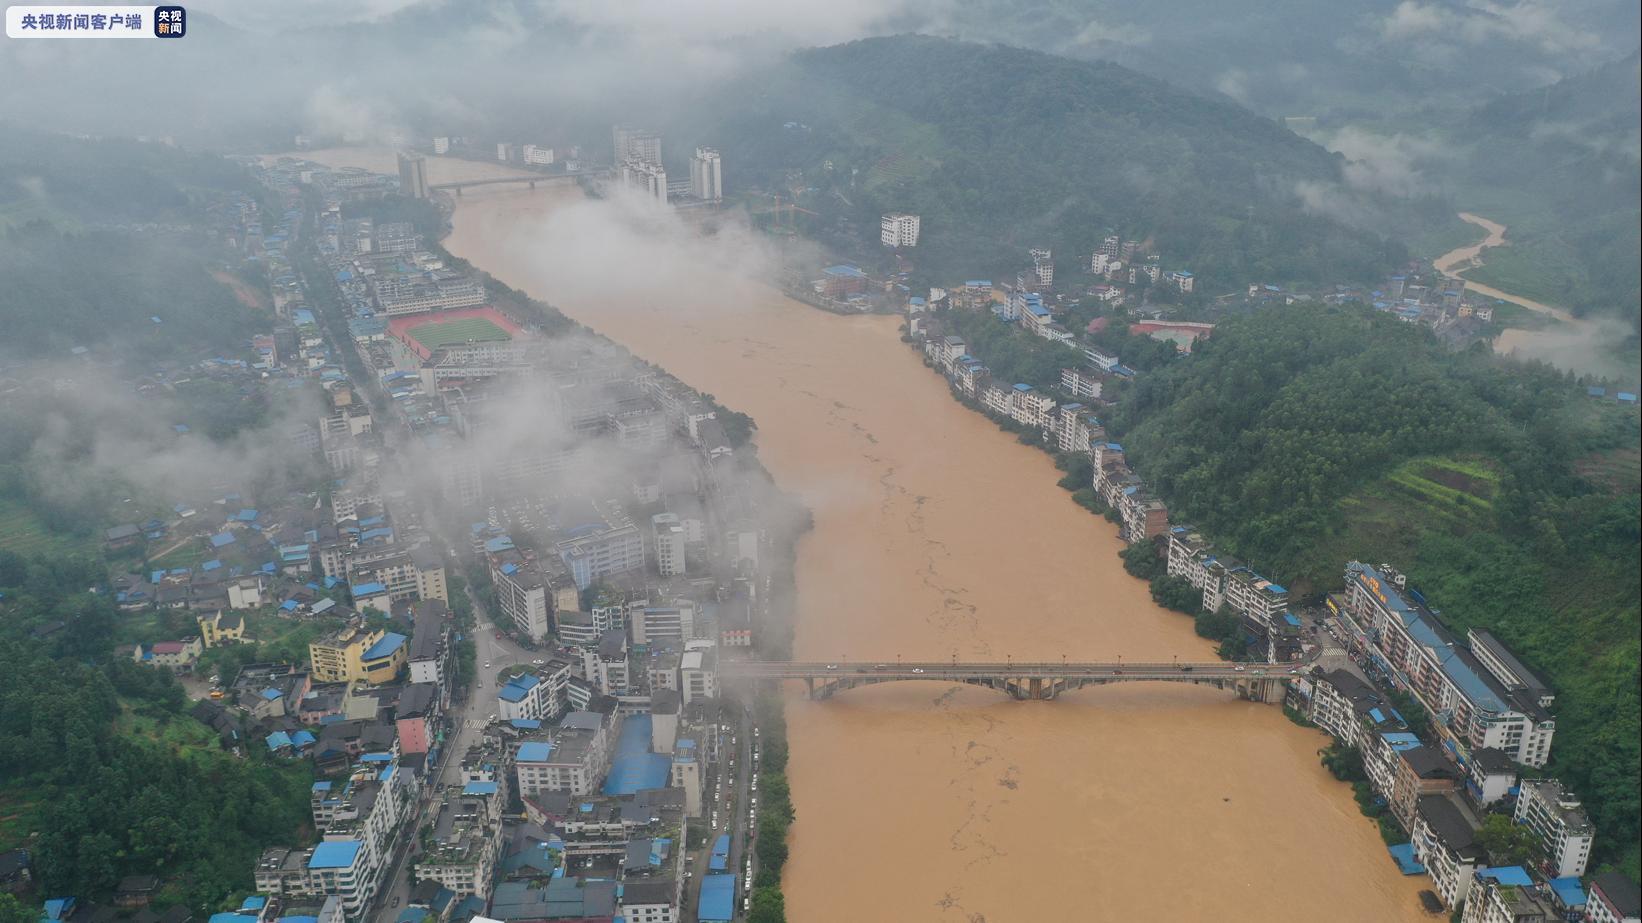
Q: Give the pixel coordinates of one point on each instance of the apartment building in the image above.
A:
(1465, 699)
(353, 653)
(649, 623)
(698, 671)
(405, 573)
(1614, 899)
(706, 175)
(583, 629)
(522, 594)
(669, 542)
(538, 696)
(1029, 406)
(466, 840)
(1080, 384)
(1505, 895)
(602, 553)
(1444, 840)
(575, 760)
(899, 230)
(1559, 821)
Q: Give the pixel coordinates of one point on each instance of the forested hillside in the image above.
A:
(98, 238)
(1560, 166)
(1001, 149)
(1301, 437)
(103, 773)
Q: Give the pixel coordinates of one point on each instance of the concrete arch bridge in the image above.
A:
(1255, 681)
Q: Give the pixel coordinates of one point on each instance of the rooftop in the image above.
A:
(334, 854)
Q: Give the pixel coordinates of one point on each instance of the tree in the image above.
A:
(1176, 593)
(13, 911)
(768, 906)
(1505, 842)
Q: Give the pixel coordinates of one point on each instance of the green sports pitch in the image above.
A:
(456, 332)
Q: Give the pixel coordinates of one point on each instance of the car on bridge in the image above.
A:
(917, 669)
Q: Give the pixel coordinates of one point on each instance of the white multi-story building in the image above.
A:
(538, 696)
(898, 230)
(1465, 700)
(1558, 819)
(648, 178)
(698, 671)
(540, 156)
(706, 175)
(1029, 406)
(669, 539)
(636, 144)
(359, 821)
(1505, 895)
(1614, 899)
(1183, 280)
(604, 553)
(583, 629)
(1043, 267)
(522, 594)
(1080, 384)
(575, 761)
(649, 623)
(466, 840)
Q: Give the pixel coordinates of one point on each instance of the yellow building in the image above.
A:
(221, 628)
(353, 653)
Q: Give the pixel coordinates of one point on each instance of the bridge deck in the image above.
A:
(962, 672)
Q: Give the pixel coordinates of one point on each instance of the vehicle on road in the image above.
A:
(832, 666)
(881, 667)
(1185, 669)
(917, 669)
(1238, 668)
(538, 662)
(395, 901)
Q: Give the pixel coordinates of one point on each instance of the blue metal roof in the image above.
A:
(717, 903)
(534, 751)
(1568, 891)
(1514, 875)
(479, 788)
(334, 854)
(391, 642)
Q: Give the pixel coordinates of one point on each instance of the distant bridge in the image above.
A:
(531, 180)
(1256, 681)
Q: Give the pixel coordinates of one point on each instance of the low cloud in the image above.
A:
(1103, 33)
(1386, 164)
(1542, 25)
(1234, 82)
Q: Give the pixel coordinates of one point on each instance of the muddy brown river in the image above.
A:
(937, 535)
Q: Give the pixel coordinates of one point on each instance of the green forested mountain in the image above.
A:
(1001, 149)
(103, 773)
(1301, 437)
(98, 238)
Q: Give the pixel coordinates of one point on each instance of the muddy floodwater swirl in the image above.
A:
(938, 536)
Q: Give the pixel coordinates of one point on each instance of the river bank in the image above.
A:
(938, 536)
(1578, 344)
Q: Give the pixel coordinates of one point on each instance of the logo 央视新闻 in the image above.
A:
(170, 22)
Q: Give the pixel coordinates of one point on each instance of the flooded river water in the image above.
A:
(936, 535)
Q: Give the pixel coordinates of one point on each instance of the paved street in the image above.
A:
(465, 721)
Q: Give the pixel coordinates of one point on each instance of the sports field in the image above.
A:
(456, 332)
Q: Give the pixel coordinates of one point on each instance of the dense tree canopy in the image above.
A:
(1001, 149)
(120, 778)
(1300, 437)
